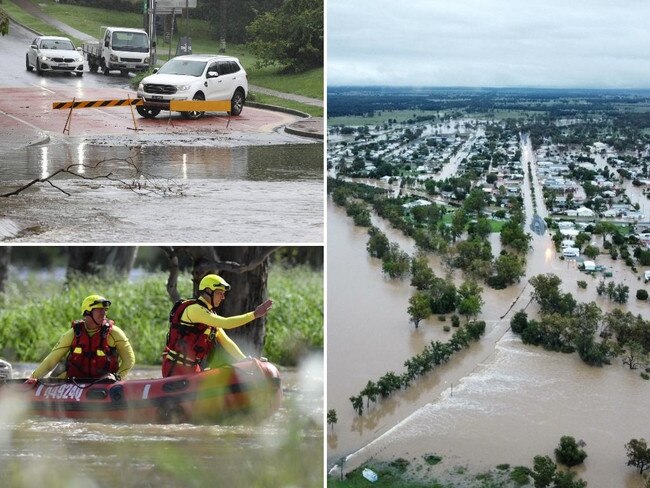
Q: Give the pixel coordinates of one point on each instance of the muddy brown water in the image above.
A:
(498, 402)
(192, 194)
(44, 452)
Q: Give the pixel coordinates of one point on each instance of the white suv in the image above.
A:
(194, 77)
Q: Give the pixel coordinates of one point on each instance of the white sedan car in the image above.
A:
(51, 53)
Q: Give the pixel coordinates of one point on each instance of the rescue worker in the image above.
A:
(194, 326)
(94, 346)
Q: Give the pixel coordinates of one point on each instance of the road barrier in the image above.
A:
(97, 103)
(200, 105)
(130, 102)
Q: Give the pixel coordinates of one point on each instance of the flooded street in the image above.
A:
(498, 401)
(248, 193)
(38, 452)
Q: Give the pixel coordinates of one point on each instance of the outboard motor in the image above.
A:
(6, 371)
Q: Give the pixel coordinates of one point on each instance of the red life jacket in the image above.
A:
(188, 344)
(91, 357)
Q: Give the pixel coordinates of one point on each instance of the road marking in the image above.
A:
(21, 121)
(43, 88)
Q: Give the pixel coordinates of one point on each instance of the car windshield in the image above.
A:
(136, 42)
(183, 67)
(61, 44)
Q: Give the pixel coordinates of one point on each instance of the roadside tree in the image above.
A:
(419, 307)
(332, 418)
(509, 268)
(291, 36)
(591, 252)
(569, 453)
(396, 263)
(543, 471)
(370, 392)
(638, 454)
(378, 244)
(421, 274)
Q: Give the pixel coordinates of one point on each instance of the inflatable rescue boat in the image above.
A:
(250, 388)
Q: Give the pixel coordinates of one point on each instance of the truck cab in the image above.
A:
(120, 48)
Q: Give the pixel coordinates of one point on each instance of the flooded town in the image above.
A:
(525, 214)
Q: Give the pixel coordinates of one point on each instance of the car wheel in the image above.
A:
(105, 69)
(194, 114)
(38, 67)
(79, 73)
(92, 67)
(125, 72)
(147, 113)
(27, 65)
(237, 103)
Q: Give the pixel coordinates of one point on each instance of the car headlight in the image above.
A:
(44, 58)
(145, 60)
(140, 87)
(182, 87)
(113, 57)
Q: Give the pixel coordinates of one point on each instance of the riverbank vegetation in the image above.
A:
(567, 326)
(419, 472)
(38, 309)
(437, 229)
(435, 354)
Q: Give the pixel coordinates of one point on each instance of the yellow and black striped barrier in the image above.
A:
(200, 105)
(97, 103)
(128, 102)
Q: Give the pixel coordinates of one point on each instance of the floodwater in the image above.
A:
(65, 453)
(199, 193)
(497, 402)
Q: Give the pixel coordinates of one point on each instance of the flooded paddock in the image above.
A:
(498, 401)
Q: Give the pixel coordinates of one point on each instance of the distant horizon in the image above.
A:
(518, 87)
(590, 44)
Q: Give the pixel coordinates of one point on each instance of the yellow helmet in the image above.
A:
(213, 282)
(94, 301)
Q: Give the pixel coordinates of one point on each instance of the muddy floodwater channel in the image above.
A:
(499, 401)
(45, 452)
(161, 192)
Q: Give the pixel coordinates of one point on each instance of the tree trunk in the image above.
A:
(248, 290)
(5, 258)
(245, 269)
(93, 260)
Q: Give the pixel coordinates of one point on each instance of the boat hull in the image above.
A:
(250, 389)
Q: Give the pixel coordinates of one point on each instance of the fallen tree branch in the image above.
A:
(141, 182)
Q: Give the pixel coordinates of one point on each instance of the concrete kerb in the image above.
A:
(36, 33)
(295, 128)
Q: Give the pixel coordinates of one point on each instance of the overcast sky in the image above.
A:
(546, 43)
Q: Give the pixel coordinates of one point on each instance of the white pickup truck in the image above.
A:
(121, 48)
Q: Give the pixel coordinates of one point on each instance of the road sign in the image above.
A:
(184, 46)
(169, 6)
